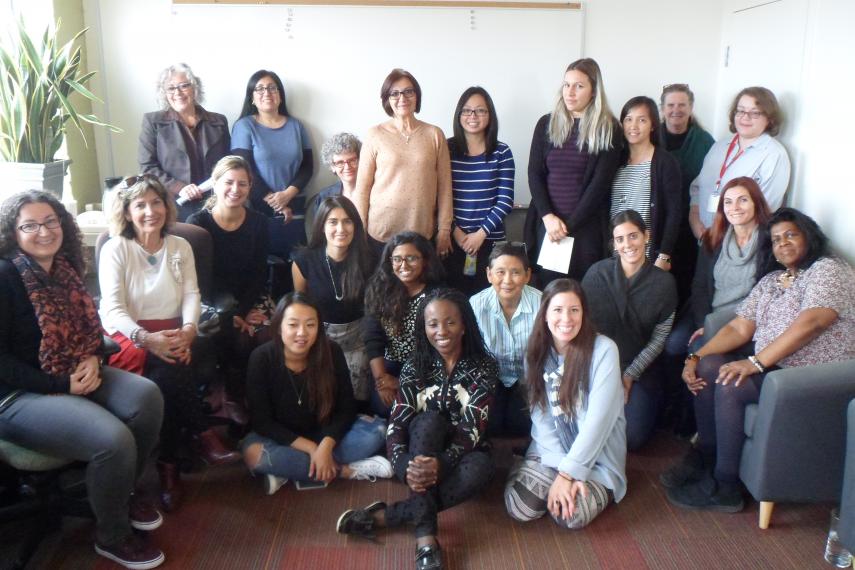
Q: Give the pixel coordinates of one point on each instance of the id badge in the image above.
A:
(712, 203)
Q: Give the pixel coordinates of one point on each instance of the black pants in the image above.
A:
(454, 263)
(509, 415)
(430, 434)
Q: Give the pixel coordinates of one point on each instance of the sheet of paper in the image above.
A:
(555, 256)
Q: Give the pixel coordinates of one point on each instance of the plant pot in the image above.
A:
(20, 176)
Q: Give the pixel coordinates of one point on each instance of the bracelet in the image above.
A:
(664, 257)
(756, 362)
(691, 356)
(138, 337)
(565, 477)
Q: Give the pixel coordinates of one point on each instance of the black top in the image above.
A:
(240, 257)
(666, 208)
(20, 338)
(672, 141)
(273, 392)
(324, 282)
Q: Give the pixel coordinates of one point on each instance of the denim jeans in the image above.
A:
(365, 438)
(114, 430)
(641, 411)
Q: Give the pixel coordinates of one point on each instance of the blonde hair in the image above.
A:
(129, 190)
(227, 164)
(596, 126)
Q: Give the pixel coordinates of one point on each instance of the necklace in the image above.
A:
(338, 297)
(150, 257)
(294, 387)
(786, 279)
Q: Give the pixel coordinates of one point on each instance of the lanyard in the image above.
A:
(725, 165)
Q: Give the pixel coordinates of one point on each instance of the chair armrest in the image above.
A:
(111, 347)
(846, 530)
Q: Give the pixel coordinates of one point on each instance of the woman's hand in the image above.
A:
(86, 377)
(443, 243)
(322, 466)
(387, 388)
(167, 345)
(243, 326)
(561, 500)
(422, 473)
(556, 229)
(662, 264)
(255, 317)
(695, 335)
(472, 242)
(628, 381)
(186, 336)
(736, 371)
(458, 235)
(191, 192)
(278, 201)
(694, 383)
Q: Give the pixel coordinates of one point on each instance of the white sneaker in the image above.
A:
(371, 468)
(272, 483)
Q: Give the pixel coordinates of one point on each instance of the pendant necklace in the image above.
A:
(151, 258)
(294, 387)
(338, 297)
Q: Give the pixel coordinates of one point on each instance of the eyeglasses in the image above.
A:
(180, 87)
(753, 115)
(340, 164)
(33, 227)
(787, 236)
(467, 112)
(271, 89)
(131, 180)
(397, 260)
(409, 93)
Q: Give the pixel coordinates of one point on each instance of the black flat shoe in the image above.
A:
(429, 557)
(708, 495)
(359, 522)
(690, 469)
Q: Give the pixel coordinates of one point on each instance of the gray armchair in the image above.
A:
(796, 436)
(846, 531)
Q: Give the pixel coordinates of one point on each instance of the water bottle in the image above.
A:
(836, 553)
(470, 266)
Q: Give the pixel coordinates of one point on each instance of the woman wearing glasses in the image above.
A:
(181, 143)
(408, 271)
(482, 185)
(341, 154)
(404, 180)
(150, 305)
(280, 151)
(755, 119)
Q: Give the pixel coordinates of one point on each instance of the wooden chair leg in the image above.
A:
(765, 513)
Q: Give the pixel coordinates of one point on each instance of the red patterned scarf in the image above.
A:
(66, 313)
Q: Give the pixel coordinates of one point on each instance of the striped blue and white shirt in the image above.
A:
(506, 341)
(483, 191)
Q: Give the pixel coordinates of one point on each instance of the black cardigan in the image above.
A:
(666, 210)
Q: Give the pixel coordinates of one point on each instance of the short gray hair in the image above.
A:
(166, 75)
(340, 143)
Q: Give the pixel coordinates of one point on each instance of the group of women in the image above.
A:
(372, 349)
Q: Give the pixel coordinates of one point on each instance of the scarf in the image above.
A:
(566, 426)
(66, 313)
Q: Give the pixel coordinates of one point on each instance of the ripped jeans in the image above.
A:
(365, 438)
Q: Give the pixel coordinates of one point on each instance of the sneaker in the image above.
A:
(143, 515)
(708, 495)
(690, 469)
(132, 552)
(359, 522)
(429, 557)
(272, 483)
(371, 468)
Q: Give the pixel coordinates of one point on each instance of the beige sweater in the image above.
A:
(404, 184)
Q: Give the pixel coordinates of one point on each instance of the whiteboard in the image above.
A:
(333, 60)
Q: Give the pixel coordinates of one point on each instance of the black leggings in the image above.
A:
(430, 433)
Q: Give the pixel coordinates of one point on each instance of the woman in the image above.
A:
(181, 143)
(574, 156)
(341, 154)
(436, 430)
(54, 396)
(334, 270)
(302, 406)
(800, 313)
(633, 302)
(408, 270)
(239, 237)
(150, 306)
(754, 119)
(648, 180)
(482, 186)
(404, 179)
(576, 462)
(505, 313)
(280, 151)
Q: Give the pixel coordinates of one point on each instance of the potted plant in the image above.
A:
(37, 79)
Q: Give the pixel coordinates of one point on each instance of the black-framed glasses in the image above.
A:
(409, 93)
(131, 180)
(271, 89)
(340, 164)
(34, 227)
(753, 115)
(397, 260)
(180, 87)
(479, 112)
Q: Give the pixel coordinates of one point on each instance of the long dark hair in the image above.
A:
(816, 240)
(457, 144)
(576, 380)
(652, 113)
(360, 258)
(249, 107)
(424, 354)
(72, 239)
(320, 372)
(714, 235)
(386, 297)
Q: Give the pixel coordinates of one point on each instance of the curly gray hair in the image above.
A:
(339, 143)
(166, 75)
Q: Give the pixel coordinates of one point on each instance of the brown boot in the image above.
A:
(213, 451)
(170, 486)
